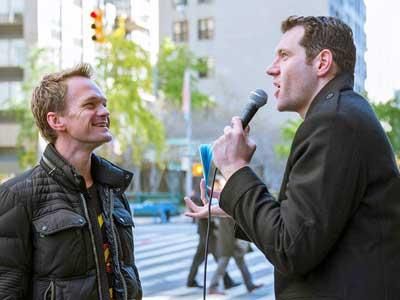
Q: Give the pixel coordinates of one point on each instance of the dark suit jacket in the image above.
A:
(334, 232)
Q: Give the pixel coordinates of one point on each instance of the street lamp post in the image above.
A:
(186, 107)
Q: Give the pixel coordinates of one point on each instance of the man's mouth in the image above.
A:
(278, 87)
(101, 124)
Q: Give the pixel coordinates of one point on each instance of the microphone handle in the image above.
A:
(248, 114)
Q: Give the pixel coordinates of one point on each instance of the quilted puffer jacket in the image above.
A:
(47, 243)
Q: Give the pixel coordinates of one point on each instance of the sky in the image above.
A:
(383, 48)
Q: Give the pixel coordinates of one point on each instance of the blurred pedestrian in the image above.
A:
(199, 256)
(228, 246)
(66, 228)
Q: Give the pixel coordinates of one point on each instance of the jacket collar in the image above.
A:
(103, 172)
(330, 92)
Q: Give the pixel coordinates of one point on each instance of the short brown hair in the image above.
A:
(326, 33)
(49, 96)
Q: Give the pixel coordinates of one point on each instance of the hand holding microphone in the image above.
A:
(234, 149)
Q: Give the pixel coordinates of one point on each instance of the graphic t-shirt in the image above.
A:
(105, 257)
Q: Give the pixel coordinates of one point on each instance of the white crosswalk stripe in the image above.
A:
(164, 253)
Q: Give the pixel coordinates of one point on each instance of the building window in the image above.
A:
(206, 67)
(181, 31)
(179, 4)
(13, 52)
(206, 29)
(9, 91)
(11, 11)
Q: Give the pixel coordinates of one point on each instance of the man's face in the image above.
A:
(86, 117)
(294, 78)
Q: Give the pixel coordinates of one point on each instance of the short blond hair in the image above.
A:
(49, 96)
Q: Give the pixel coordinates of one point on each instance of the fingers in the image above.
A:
(190, 204)
(247, 130)
(216, 144)
(237, 124)
(201, 212)
(195, 211)
(227, 129)
(203, 191)
(195, 215)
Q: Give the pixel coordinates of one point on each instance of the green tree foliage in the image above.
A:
(287, 132)
(125, 74)
(173, 60)
(389, 114)
(36, 66)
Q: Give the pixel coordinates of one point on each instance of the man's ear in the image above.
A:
(55, 121)
(324, 63)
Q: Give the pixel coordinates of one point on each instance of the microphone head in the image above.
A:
(259, 97)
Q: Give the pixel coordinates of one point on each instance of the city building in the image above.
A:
(353, 12)
(236, 40)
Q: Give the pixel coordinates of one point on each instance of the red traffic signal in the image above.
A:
(94, 14)
(97, 25)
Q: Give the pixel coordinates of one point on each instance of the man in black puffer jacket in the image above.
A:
(65, 225)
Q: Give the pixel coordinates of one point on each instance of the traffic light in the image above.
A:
(97, 25)
(120, 26)
(197, 169)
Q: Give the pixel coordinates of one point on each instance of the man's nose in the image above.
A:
(273, 69)
(103, 110)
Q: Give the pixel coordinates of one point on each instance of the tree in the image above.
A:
(173, 60)
(125, 74)
(36, 66)
(389, 115)
(288, 132)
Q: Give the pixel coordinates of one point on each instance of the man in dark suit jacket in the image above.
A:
(334, 231)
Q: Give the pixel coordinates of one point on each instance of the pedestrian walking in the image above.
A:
(229, 247)
(199, 256)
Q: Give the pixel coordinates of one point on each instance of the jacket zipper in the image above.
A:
(53, 168)
(93, 247)
(116, 244)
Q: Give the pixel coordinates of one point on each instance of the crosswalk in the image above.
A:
(164, 254)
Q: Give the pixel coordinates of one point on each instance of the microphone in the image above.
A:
(257, 99)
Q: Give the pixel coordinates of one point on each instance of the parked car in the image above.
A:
(162, 205)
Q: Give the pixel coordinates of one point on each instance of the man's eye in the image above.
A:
(89, 105)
